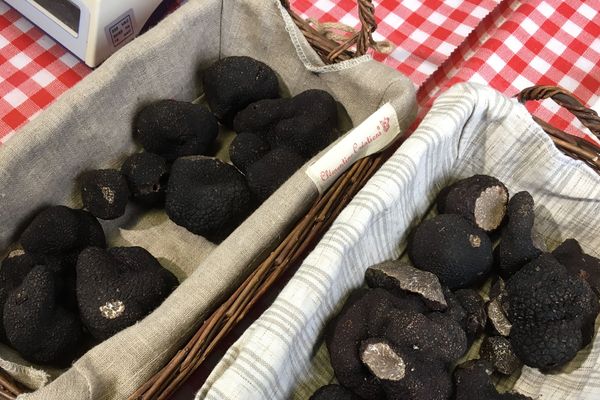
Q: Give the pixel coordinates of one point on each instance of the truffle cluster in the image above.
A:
(64, 289)
(277, 136)
(400, 339)
(208, 196)
(51, 288)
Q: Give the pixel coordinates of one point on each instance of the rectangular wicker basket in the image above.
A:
(90, 127)
(469, 130)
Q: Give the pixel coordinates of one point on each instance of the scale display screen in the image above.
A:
(65, 11)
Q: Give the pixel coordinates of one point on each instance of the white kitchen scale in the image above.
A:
(90, 29)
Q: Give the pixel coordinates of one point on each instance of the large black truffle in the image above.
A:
(270, 172)
(382, 345)
(36, 325)
(59, 231)
(232, 83)
(207, 196)
(473, 382)
(54, 238)
(104, 193)
(246, 149)
(552, 313)
(571, 255)
(118, 287)
(333, 392)
(453, 249)
(516, 247)
(481, 199)
(147, 175)
(52, 231)
(174, 129)
(305, 124)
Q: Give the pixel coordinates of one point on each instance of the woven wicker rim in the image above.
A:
(573, 146)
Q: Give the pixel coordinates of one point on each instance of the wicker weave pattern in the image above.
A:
(573, 146)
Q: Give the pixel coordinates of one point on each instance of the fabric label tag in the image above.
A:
(371, 136)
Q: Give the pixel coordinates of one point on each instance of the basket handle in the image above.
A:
(571, 145)
(330, 50)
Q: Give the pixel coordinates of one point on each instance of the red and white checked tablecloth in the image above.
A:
(507, 44)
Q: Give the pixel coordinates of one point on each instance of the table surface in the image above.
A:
(506, 44)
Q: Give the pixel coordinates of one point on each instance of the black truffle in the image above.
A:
(246, 149)
(498, 351)
(381, 344)
(207, 196)
(60, 230)
(333, 392)
(270, 172)
(552, 313)
(52, 231)
(36, 326)
(232, 83)
(104, 193)
(472, 380)
(14, 269)
(174, 129)
(571, 255)
(118, 287)
(516, 246)
(480, 199)
(146, 175)
(305, 124)
(453, 249)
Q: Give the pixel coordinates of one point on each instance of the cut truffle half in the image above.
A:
(480, 199)
(104, 193)
(207, 196)
(174, 129)
(232, 83)
(147, 176)
(451, 248)
(399, 276)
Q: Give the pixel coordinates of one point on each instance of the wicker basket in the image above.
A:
(470, 129)
(311, 227)
(298, 241)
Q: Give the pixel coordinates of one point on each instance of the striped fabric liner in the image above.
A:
(470, 129)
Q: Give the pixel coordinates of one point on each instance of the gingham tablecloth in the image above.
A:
(508, 45)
